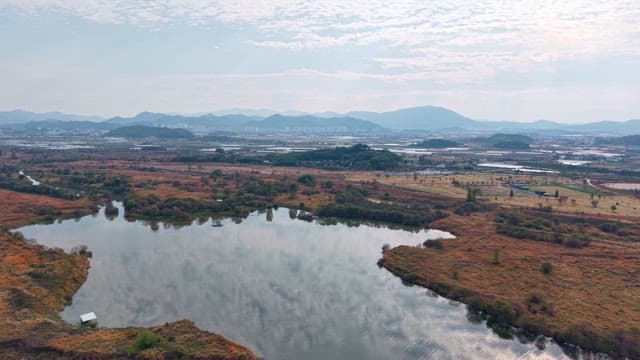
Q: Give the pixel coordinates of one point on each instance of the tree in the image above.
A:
(216, 173)
(307, 180)
(496, 256)
(557, 194)
(472, 193)
(293, 189)
(546, 268)
(511, 193)
(268, 187)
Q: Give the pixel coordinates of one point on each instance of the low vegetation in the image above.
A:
(355, 204)
(541, 228)
(143, 131)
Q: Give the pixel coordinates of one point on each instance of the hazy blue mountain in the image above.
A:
(610, 127)
(259, 113)
(67, 126)
(309, 123)
(419, 118)
(203, 122)
(141, 118)
(328, 114)
(21, 116)
(424, 118)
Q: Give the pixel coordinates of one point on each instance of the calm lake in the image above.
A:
(286, 288)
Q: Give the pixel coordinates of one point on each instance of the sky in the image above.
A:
(569, 61)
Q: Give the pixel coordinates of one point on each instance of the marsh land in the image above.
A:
(543, 263)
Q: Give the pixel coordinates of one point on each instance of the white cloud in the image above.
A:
(476, 38)
(411, 47)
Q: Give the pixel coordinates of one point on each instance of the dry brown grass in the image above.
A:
(17, 208)
(597, 285)
(495, 189)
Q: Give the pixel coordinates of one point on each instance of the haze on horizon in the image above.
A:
(573, 61)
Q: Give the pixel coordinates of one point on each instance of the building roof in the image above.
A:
(88, 317)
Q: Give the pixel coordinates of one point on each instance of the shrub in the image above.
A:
(546, 268)
(81, 250)
(476, 305)
(434, 244)
(610, 227)
(502, 313)
(576, 242)
(307, 180)
(110, 210)
(534, 298)
(146, 340)
(19, 299)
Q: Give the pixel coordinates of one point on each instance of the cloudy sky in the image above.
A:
(572, 61)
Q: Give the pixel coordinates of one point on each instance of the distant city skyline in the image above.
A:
(573, 61)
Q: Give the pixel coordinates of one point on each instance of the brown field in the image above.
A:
(17, 208)
(495, 189)
(597, 286)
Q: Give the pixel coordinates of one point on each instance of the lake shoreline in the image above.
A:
(39, 288)
(479, 283)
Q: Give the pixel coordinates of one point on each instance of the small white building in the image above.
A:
(88, 317)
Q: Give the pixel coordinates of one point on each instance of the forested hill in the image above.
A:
(360, 157)
(141, 131)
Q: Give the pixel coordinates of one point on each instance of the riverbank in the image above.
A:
(36, 283)
(585, 296)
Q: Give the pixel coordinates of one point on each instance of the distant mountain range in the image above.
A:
(205, 122)
(418, 118)
(425, 118)
(20, 116)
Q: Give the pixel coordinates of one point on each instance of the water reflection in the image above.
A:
(287, 288)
